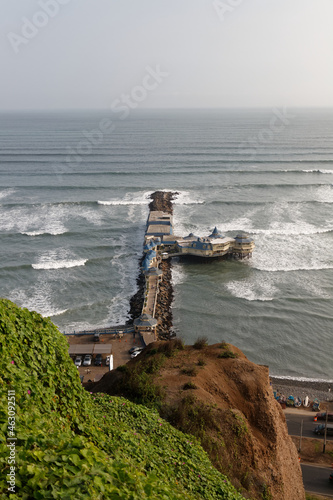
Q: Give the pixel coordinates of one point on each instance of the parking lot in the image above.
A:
(116, 345)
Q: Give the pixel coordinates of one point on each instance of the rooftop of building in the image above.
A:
(158, 215)
(159, 229)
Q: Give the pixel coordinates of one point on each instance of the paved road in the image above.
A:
(316, 480)
(294, 426)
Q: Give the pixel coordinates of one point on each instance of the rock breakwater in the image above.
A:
(161, 201)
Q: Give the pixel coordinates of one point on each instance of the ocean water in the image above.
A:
(74, 202)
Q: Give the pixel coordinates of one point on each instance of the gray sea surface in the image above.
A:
(74, 202)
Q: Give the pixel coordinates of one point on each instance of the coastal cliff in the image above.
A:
(226, 401)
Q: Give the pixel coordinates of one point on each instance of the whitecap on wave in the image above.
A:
(282, 252)
(38, 298)
(187, 198)
(177, 274)
(303, 379)
(324, 194)
(58, 312)
(39, 233)
(258, 288)
(143, 197)
(318, 171)
(6, 192)
(140, 198)
(59, 264)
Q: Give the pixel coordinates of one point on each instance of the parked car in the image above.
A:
(98, 360)
(78, 361)
(96, 337)
(331, 478)
(320, 429)
(87, 360)
(107, 361)
(136, 353)
(133, 349)
(322, 416)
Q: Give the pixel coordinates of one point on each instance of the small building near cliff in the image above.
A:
(145, 324)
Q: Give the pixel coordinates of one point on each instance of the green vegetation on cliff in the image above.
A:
(71, 444)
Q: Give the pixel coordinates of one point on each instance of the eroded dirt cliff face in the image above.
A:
(233, 411)
(228, 403)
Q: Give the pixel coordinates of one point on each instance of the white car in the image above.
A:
(87, 360)
(136, 353)
(78, 361)
(107, 361)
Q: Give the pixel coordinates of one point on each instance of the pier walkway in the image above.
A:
(151, 296)
(111, 330)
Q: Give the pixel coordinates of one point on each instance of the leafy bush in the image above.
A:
(170, 347)
(191, 371)
(122, 368)
(189, 385)
(228, 354)
(200, 343)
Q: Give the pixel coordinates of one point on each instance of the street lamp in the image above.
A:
(301, 431)
(300, 437)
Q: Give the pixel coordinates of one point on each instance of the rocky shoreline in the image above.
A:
(161, 201)
(321, 390)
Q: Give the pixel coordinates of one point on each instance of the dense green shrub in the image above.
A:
(227, 354)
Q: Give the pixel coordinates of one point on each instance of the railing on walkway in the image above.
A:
(110, 330)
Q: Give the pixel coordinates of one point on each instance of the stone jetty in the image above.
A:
(161, 202)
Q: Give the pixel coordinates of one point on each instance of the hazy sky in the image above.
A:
(166, 53)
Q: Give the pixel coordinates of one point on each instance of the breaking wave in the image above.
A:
(60, 264)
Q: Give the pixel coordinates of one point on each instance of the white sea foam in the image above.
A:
(187, 198)
(302, 379)
(324, 194)
(140, 198)
(38, 298)
(39, 233)
(60, 264)
(291, 229)
(32, 221)
(6, 192)
(277, 253)
(122, 202)
(177, 274)
(274, 269)
(318, 171)
(257, 288)
(58, 312)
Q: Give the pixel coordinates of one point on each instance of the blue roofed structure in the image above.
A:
(216, 233)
